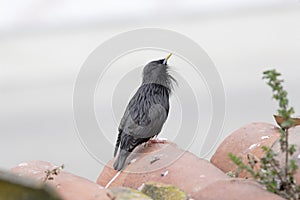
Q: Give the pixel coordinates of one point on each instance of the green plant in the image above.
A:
(277, 179)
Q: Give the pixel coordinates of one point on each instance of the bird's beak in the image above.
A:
(167, 58)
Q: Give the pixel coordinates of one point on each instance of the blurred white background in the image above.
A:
(44, 43)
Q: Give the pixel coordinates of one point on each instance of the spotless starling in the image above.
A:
(146, 112)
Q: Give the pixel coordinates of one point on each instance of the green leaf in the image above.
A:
(287, 124)
(293, 166)
(292, 149)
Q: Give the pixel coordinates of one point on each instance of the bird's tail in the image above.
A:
(127, 143)
(118, 143)
(120, 161)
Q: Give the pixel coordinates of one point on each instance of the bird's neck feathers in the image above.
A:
(163, 78)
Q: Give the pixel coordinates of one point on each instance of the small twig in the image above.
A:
(277, 172)
(286, 153)
(110, 196)
(53, 172)
(154, 159)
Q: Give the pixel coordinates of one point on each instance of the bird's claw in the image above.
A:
(155, 141)
(158, 141)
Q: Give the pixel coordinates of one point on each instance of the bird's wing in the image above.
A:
(157, 115)
(124, 119)
(144, 117)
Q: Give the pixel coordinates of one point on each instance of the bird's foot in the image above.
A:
(155, 141)
(158, 141)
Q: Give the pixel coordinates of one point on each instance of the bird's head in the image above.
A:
(157, 72)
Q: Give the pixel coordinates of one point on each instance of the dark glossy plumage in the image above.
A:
(146, 112)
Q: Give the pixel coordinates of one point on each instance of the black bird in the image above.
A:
(146, 112)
